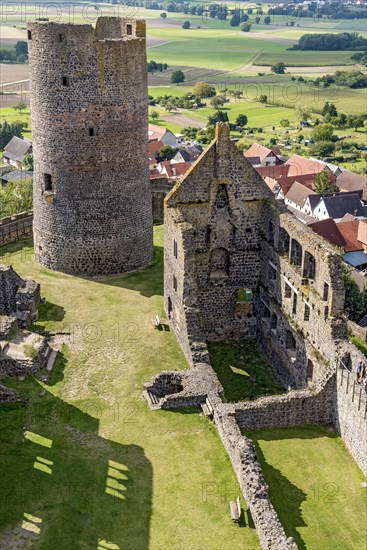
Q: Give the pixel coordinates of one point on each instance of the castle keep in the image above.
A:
(92, 198)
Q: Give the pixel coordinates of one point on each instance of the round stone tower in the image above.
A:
(89, 106)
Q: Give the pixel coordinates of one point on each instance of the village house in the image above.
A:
(259, 155)
(159, 133)
(349, 181)
(15, 175)
(16, 150)
(336, 205)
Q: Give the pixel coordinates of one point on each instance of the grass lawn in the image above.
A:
(243, 371)
(315, 487)
(95, 467)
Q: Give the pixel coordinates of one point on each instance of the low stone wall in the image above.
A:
(242, 454)
(160, 188)
(296, 408)
(357, 331)
(14, 228)
(350, 402)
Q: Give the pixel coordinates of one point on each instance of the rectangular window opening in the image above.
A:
(61, 38)
(65, 81)
(175, 283)
(29, 34)
(91, 132)
(306, 315)
(175, 249)
(129, 30)
(326, 292)
(48, 182)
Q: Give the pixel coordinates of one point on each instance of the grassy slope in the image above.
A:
(94, 413)
(315, 487)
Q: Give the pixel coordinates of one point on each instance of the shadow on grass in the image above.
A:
(63, 485)
(286, 498)
(147, 281)
(243, 371)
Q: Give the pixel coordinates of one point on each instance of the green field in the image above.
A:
(314, 482)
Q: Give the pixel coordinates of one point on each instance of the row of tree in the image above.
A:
(329, 41)
(15, 54)
(351, 79)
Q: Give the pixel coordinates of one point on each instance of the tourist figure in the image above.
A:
(359, 371)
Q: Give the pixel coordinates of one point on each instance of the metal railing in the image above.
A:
(356, 390)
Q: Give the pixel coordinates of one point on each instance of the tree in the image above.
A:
(323, 148)
(278, 68)
(263, 99)
(217, 102)
(177, 77)
(154, 115)
(245, 27)
(323, 183)
(163, 15)
(356, 122)
(241, 120)
(20, 106)
(218, 116)
(7, 131)
(323, 132)
(16, 197)
(21, 48)
(235, 19)
(202, 89)
(28, 162)
(284, 123)
(267, 20)
(166, 153)
(257, 20)
(303, 113)
(186, 25)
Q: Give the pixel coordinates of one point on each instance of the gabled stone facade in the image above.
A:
(249, 268)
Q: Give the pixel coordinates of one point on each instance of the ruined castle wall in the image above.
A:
(350, 403)
(296, 408)
(92, 197)
(301, 295)
(14, 228)
(160, 187)
(9, 285)
(242, 454)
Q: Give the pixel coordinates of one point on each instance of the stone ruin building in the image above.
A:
(238, 265)
(21, 352)
(89, 105)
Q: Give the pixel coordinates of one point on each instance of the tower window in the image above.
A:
(61, 39)
(129, 30)
(48, 182)
(29, 34)
(65, 81)
(175, 283)
(175, 249)
(91, 132)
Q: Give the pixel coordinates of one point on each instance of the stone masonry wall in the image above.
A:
(14, 228)
(160, 188)
(89, 105)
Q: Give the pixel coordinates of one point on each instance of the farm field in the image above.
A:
(314, 481)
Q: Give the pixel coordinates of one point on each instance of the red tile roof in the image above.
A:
(257, 150)
(299, 165)
(349, 230)
(329, 230)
